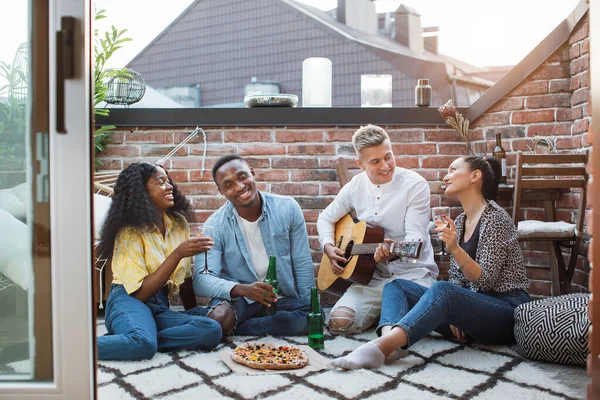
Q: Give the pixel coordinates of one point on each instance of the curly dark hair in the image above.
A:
(131, 205)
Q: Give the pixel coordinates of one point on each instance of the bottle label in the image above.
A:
(503, 163)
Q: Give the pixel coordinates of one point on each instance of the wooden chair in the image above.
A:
(342, 172)
(560, 173)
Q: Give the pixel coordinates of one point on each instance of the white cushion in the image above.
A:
(15, 200)
(15, 250)
(539, 229)
(101, 206)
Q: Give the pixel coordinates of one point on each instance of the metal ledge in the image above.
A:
(279, 116)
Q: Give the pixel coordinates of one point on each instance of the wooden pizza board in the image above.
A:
(316, 362)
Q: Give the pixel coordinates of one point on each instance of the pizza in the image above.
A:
(268, 356)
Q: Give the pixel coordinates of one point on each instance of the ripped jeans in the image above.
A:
(290, 319)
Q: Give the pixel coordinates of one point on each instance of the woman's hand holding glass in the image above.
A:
(447, 234)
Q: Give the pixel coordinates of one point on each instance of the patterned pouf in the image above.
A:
(554, 329)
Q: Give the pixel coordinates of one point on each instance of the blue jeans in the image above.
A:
(290, 319)
(486, 317)
(136, 330)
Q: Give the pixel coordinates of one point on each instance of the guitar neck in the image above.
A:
(364, 248)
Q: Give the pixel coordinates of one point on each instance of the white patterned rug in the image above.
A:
(436, 369)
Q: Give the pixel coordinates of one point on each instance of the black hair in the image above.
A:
(491, 172)
(131, 205)
(222, 161)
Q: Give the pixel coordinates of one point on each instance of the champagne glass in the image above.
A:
(206, 231)
(438, 213)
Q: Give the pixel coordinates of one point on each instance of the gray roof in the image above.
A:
(221, 44)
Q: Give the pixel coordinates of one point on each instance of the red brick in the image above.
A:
(585, 79)
(211, 137)
(508, 104)
(190, 189)
(442, 136)
(413, 135)
(585, 46)
(314, 244)
(310, 215)
(520, 144)
(564, 114)
(575, 82)
(271, 175)
(549, 101)
(311, 229)
(529, 88)
(257, 162)
(247, 136)
(476, 134)
(212, 150)
(549, 129)
(197, 176)
(162, 151)
(505, 132)
(124, 151)
(437, 161)
(427, 174)
(108, 164)
(116, 137)
(294, 162)
(542, 274)
(580, 33)
(501, 118)
(574, 51)
(202, 216)
(573, 142)
(581, 126)
(580, 96)
(149, 137)
(414, 148)
(295, 189)
(313, 175)
(541, 288)
(436, 187)
(209, 202)
(568, 200)
(298, 136)
(190, 163)
(260, 149)
(179, 176)
(579, 65)
(457, 149)
(562, 54)
(546, 72)
(584, 140)
(560, 85)
(338, 136)
(313, 203)
(328, 189)
(407, 162)
(331, 163)
(311, 149)
(527, 117)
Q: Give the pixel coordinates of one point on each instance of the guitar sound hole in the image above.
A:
(348, 252)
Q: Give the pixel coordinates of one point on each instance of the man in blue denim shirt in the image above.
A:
(251, 226)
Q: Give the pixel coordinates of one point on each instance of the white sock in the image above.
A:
(366, 356)
(396, 355)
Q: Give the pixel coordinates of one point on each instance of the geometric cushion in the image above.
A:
(554, 329)
(539, 229)
(15, 251)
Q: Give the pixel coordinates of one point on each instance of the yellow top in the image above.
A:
(139, 252)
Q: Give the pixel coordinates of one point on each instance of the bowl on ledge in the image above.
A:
(271, 100)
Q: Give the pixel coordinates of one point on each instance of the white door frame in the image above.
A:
(70, 188)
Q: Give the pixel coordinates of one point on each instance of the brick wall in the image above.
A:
(300, 162)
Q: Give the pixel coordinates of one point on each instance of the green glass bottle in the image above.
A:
(315, 322)
(271, 279)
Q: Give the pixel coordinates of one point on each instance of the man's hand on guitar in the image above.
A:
(334, 254)
(383, 252)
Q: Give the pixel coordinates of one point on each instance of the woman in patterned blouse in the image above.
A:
(487, 276)
(147, 233)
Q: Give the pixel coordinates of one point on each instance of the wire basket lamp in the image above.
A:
(21, 68)
(124, 86)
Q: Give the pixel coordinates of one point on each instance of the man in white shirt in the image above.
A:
(393, 198)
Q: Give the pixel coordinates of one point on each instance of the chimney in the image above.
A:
(358, 14)
(430, 38)
(408, 28)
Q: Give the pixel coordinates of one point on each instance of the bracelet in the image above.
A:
(465, 262)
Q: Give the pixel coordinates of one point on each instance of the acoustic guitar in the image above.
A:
(359, 242)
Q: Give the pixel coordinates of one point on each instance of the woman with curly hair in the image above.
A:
(148, 235)
(487, 276)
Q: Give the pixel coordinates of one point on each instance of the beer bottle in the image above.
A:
(271, 279)
(500, 154)
(315, 322)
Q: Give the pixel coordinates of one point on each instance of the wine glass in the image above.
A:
(438, 213)
(206, 231)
